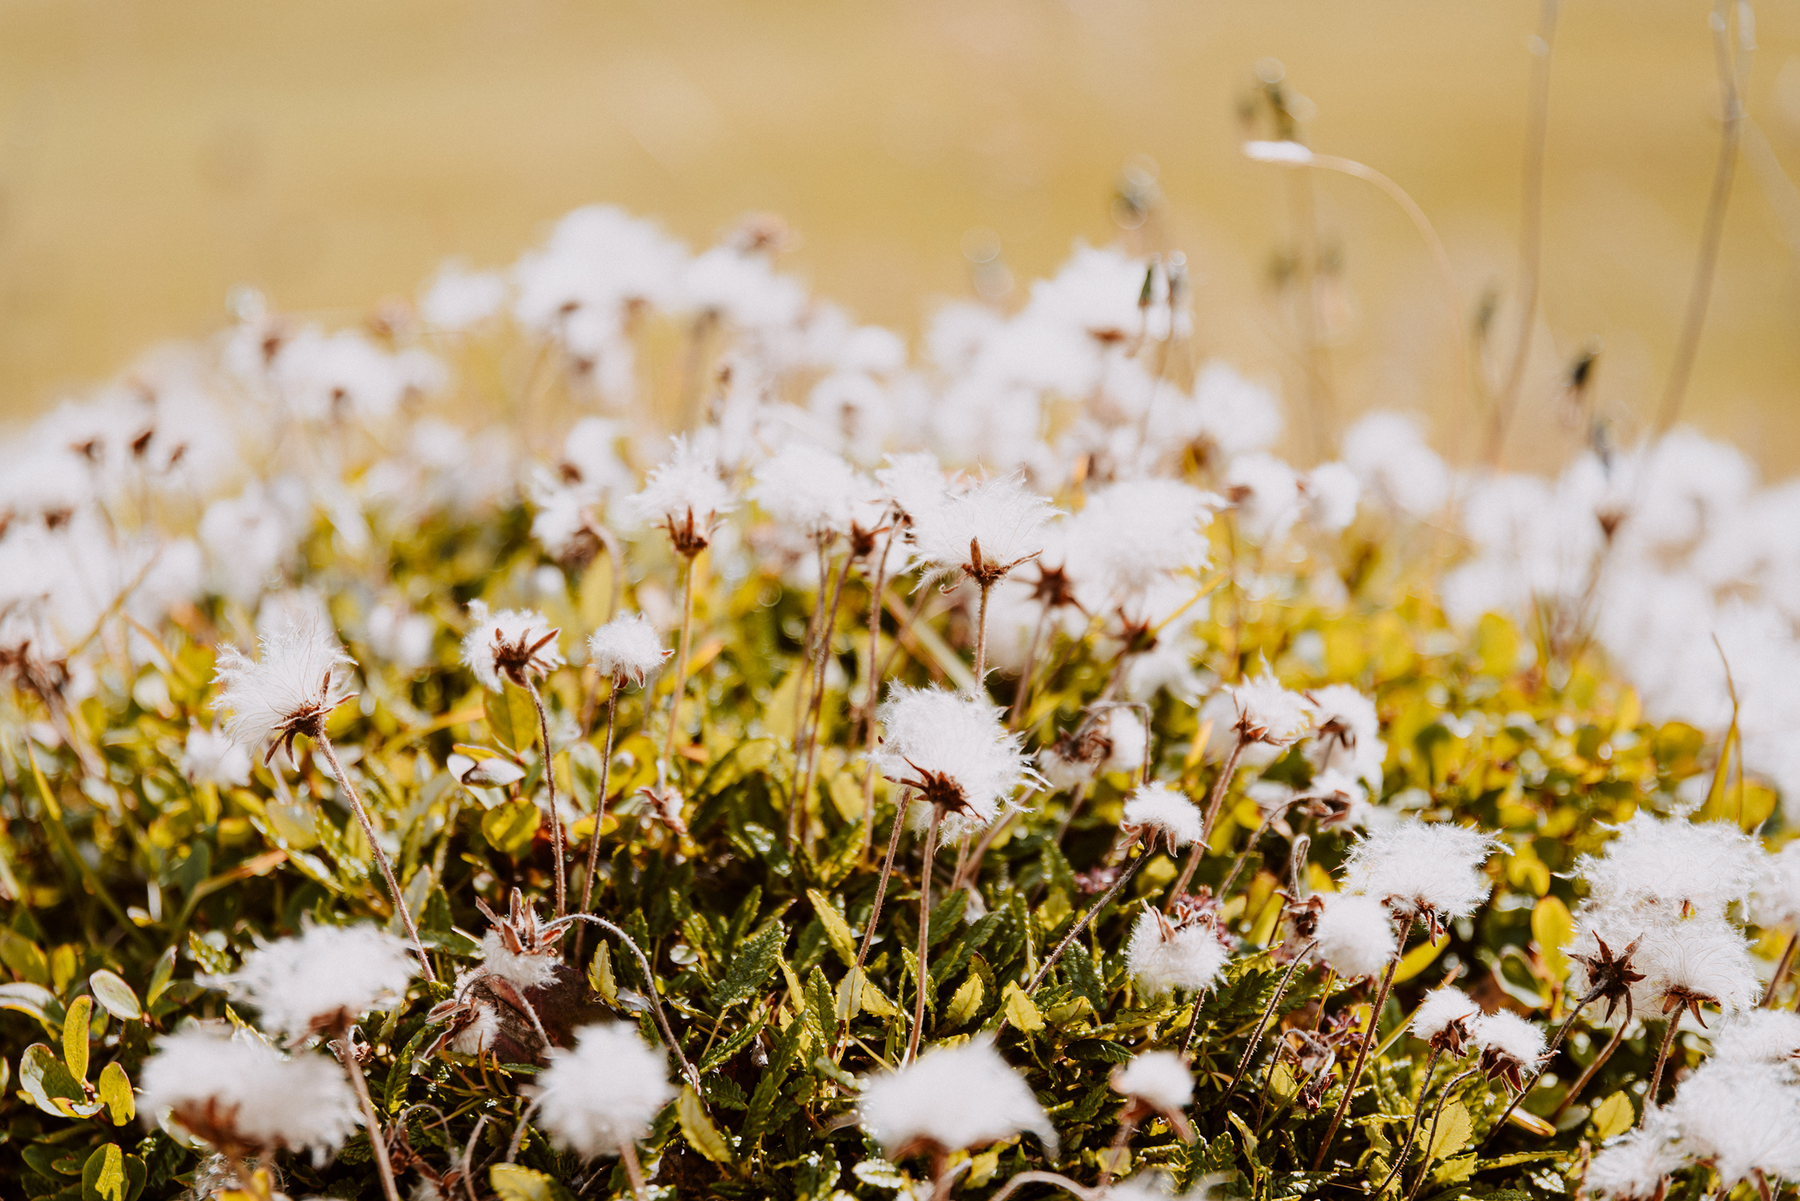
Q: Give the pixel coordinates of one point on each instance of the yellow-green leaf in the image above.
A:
(75, 1036)
(1613, 1116)
(1552, 928)
(698, 1128)
(115, 996)
(514, 1183)
(103, 1175)
(115, 1094)
(509, 828)
(600, 975)
(1418, 959)
(964, 1004)
(837, 930)
(24, 957)
(511, 718)
(1453, 1130)
(1020, 1010)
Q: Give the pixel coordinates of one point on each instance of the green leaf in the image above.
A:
(45, 1079)
(600, 975)
(837, 930)
(75, 1036)
(27, 998)
(24, 957)
(115, 996)
(1020, 1010)
(1453, 1130)
(966, 1001)
(514, 1183)
(511, 717)
(510, 827)
(115, 1094)
(754, 963)
(697, 1128)
(159, 979)
(1613, 1116)
(103, 1175)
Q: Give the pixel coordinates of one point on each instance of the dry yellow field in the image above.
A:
(154, 154)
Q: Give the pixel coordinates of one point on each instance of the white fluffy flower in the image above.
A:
(810, 490)
(236, 1091)
(1346, 734)
(210, 757)
(1769, 1036)
(1632, 1166)
(302, 676)
(1702, 959)
(1506, 1035)
(627, 647)
(1673, 863)
(1157, 810)
(1440, 1009)
(523, 969)
(322, 980)
(603, 1094)
(954, 750)
(1159, 1078)
(1132, 534)
(1114, 740)
(1425, 870)
(951, 1099)
(1742, 1117)
(984, 532)
(1265, 493)
(1162, 956)
(459, 298)
(685, 496)
(1330, 493)
(514, 644)
(1776, 901)
(1355, 935)
(1269, 713)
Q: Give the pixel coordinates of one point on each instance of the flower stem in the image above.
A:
(662, 1021)
(1022, 698)
(869, 738)
(1430, 1138)
(634, 1171)
(803, 799)
(981, 641)
(377, 1141)
(556, 826)
(681, 666)
(1581, 1081)
(1781, 971)
(593, 863)
(1062, 1182)
(1213, 804)
(887, 870)
(381, 859)
(1662, 1059)
(1262, 1026)
(1412, 1130)
(918, 1029)
(1362, 1052)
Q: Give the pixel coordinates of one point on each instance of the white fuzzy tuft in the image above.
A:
(303, 673)
(1672, 863)
(210, 757)
(1440, 1007)
(1159, 1078)
(961, 739)
(1632, 1166)
(810, 490)
(1420, 868)
(1001, 517)
(1507, 1034)
(627, 647)
(484, 650)
(520, 969)
(1742, 1117)
(1776, 901)
(1355, 935)
(325, 978)
(257, 1096)
(1269, 712)
(1768, 1036)
(955, 1098)
(603, 1094)
(1162, 958)
(1159, 810)
(1346, 734)
(686, 488)
(1703, 956)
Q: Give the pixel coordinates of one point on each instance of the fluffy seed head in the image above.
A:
(984, 532)
(1443, 1017)
(210, 757)
(951, 1099)
(1269, 713)
(321, 981)
(515, 644)
(1163, 956)
(1355, 935)
(237, 1093)
(627, 647)
(1346, 734)
(1776, 901)
(1673, 863)
(302, 676)
(1509, 1044)
(1632, 1166)
(1742, 1117)
(1159, 811)
(1769, 1036)
(685, 496)
(1428, 871)
(810, 490)
(1159, 1078)
(954, 750)
(603, 1094)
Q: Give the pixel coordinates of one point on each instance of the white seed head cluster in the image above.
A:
(1355, 935)
(301, 676)
(935, 739)
(514, 644)
(1000, 518)
(1269, 713)
(1440, 1008)
(628, 647)
(235, 1091)
(322, 980)
(1422, 869)
(1163, 957)
(952, 1098)
(1160, 812)
(604, 1093)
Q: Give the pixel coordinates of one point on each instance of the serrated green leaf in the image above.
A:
(837, 930)
(1614, 1115)
(1020, 1010)
(211, 959)
(753, 964)
(879, 1173)
(600, 975)
(1453, 1130)
(115, 1093)
(75, 1036)
(115, 996)
(698, 1129)
(964, 1004)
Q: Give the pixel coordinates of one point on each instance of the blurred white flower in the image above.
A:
(321, 981)
(627, 648)
(1355, 935)
(302, 676)
(951, 1099)
(236, 1092)
(1163, 956)
(209, 757)
(603, 1095)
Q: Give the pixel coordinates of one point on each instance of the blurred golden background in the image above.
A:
(152, 155)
